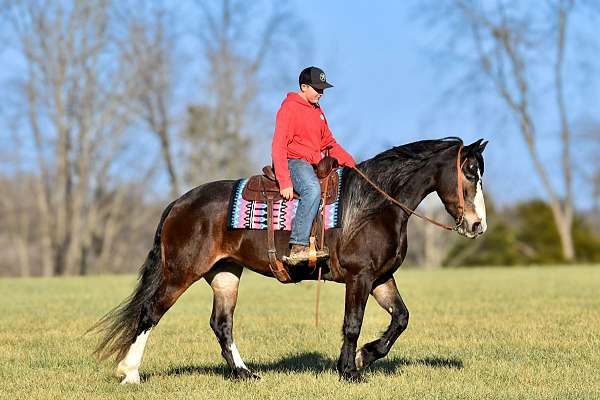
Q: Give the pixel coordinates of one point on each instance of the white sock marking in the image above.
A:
(480, 204)
(358, 359)
(129, 366)
(237, 358)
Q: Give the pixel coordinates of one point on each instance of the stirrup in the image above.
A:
(293, 261)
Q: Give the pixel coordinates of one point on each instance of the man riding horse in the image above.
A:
(301, 135)
(377, 198)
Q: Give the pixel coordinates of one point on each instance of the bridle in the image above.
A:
(459, 189)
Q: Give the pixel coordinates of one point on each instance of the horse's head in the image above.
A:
(470, 219)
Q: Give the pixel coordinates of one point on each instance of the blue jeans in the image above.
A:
(306, 184)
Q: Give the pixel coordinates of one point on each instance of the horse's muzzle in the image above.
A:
(475, 230)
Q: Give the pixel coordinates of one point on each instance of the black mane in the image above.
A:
(390, 169)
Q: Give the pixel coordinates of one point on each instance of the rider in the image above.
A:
(301, 135)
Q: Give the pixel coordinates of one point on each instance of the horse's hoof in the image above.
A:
(352, 376)
(128, 375)
(243, 374)
(365, 357)
(131, 377)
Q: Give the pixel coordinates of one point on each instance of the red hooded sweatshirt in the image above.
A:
(301, 131)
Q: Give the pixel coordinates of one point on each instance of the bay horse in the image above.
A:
(192, 242)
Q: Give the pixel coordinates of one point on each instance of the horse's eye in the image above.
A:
(471, 172)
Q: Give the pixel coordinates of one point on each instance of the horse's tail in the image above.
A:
(120, 326)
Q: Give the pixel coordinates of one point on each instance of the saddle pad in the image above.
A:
(243, 214)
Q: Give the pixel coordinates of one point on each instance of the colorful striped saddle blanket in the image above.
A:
(244, 214)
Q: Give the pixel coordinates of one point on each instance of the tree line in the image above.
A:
(522, 58)
(99, 109)
(519, 234)
(116, 107)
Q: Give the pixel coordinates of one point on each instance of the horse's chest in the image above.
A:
(391, 265)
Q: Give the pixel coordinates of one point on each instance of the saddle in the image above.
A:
(265, 188)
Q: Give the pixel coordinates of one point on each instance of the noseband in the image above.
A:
(461, 197)
(459, 188)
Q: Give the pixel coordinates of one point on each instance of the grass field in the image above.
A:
(524, 333)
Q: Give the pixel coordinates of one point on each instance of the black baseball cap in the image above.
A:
(314, 77)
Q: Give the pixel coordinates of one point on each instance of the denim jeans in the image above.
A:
(306, 184)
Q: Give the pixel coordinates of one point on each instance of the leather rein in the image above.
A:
(461, 199)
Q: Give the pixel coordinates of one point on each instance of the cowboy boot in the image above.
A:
(299, 254)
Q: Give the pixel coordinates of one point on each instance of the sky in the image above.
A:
(388, 91)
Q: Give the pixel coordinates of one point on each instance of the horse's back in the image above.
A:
(208, 194)
(199, 210)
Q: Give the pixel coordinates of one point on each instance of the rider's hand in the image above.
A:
(287, 193)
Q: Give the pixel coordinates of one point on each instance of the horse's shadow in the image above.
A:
(313, 362)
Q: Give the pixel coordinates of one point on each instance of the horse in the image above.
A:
(192, 242)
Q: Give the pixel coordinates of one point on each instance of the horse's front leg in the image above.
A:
(389, 299)
(357, 293)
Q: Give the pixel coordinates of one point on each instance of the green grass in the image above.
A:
(524, 333)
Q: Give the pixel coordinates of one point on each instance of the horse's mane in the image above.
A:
(391, 168)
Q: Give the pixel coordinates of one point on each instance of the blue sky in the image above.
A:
(388, 91)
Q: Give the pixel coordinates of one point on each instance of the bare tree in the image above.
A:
(149, 47)
(93, 71)
(238, 38)
(509, 48)
(596, 195)
(73, 95)
(16, 214)
(590, 137)
(432, 243)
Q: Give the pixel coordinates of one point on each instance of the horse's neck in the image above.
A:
(415, 189)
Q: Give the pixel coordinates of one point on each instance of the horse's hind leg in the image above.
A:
(224, 279)
(168, 292)
(129, 366)
(389, 299)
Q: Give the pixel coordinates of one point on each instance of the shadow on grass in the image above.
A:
(311, 362)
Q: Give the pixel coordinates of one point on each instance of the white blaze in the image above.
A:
(237, 358)
(480, 204)
(130, 365)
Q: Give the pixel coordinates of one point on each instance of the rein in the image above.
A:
(461, 199)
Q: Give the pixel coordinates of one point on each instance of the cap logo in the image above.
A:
(322, 76)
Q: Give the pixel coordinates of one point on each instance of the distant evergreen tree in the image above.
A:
(498, 246)
(523, 234)
(537, 236)
(537, 232)
(587, 241)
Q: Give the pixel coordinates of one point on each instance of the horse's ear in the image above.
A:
(472, 148)
(475, 145)
(482, 146)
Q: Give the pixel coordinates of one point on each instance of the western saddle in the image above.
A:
(265, 188)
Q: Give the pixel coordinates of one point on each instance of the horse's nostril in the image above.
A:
(477, 227)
